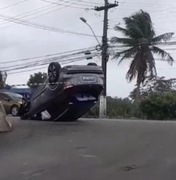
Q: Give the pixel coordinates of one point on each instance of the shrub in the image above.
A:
(159, 106)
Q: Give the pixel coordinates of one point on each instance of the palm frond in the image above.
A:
(126, 41)
(164, 55)
(128, 53)
(163, 37)
(150, 62)
(133, 28)
(133, 69)
(141, 21)
(132, 72)
(124, 31)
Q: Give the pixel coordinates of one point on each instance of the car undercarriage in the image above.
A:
(66, 95)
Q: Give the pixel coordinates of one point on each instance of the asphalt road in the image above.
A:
(89, 150)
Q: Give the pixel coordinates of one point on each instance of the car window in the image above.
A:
(3, 96)
(14, 95)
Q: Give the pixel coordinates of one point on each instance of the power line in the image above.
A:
(46, 56)
(43, 8)
(39, 68)
(41, 62)
(149, 4)
(51, 60)
(44, 61)
(31, 12)
(43, 27)
(81, 6)
(49, 55)
(12, 5)
(88, 2)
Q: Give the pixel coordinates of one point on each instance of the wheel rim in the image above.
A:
(52, 72)
(26, 99)
(14, 111)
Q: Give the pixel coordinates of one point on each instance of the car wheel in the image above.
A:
(14, 110)
(92, 64)
(53, 72)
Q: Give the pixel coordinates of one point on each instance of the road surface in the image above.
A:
(89, 150)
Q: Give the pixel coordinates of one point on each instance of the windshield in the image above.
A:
(14, 95)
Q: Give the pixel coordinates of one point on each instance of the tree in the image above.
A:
(142, 94)
(117, 108)
(36, 78)
(3, 77)
(155, 85)
(160, 85)
(141, 40)
(159, 106)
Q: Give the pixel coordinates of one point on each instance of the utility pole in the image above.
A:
(105, 55)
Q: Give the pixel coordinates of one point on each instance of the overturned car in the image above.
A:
(67, 94)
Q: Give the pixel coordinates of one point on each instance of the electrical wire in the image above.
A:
(50, 11)
(51, 60)
(147, 4)
(81, 6)
(39, 62)
(12, 5)
(39, 68)
(38, 10)
(32, 12)
(49, 55)
(113, 49)
(46, 61)
(88, 2)
(43, 61)
(43, 27)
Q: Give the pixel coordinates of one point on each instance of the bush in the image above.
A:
(116, 108)
(159, 106)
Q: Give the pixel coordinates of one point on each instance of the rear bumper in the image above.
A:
(76, 110)
(89, 90)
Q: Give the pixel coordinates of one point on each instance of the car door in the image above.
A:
(5, 99)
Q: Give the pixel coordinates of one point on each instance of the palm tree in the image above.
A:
(141, 40)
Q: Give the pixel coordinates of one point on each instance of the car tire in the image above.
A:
(53, 72)
(14, 110)
(92, 64)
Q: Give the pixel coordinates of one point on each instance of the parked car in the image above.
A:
(11, 102)
(67, 94)
(21, 91)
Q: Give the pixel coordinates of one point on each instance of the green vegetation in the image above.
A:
(159, 106)
(36, 78)
(157, 102)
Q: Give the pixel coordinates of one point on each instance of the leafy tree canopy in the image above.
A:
(36, 78)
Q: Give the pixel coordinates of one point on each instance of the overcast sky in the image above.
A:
(20, 41)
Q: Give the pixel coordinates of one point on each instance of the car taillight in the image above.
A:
(67, 86)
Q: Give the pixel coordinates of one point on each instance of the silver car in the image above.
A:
(67, 94)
